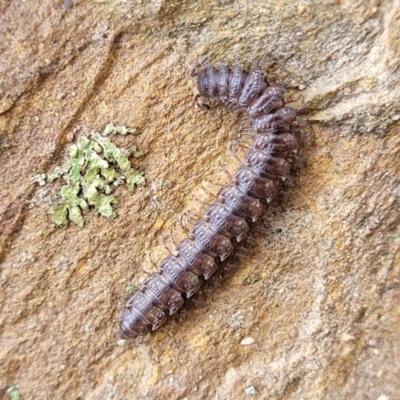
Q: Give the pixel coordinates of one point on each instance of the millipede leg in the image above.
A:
(216, 183)
(193, 215)
(232, 152)
(224, 169)
(239, 143)
(203, 202)
(152, 260)
(192, 71)
(180, 220)
(174, 241)
(208, 192)
(165, 245)
(141, 269)
(202, 106)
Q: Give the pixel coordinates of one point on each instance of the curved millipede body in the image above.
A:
(241, 201)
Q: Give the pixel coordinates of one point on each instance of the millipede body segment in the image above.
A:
(241, 201)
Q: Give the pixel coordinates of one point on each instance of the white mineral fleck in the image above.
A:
(247, 341)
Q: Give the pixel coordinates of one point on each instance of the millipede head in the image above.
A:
(205, 81)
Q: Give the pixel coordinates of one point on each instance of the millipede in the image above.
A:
(241, 201)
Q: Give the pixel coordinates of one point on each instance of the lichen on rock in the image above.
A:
(94, 167)
(13, 392)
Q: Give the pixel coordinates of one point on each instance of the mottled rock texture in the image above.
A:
(325, 314)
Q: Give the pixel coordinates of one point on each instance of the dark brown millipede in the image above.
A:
(242, 200)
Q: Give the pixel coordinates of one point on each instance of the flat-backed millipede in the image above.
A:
(243, 199)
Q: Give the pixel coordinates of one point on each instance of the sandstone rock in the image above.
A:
(327, 255)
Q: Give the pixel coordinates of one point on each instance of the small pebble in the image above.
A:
(383, 397)
(251, 390)
(372, 343)
(70, 136)
(67, 4)
(347, 338)
(392, 285)
(247, 341)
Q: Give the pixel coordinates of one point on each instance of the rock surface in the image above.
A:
(324, 316)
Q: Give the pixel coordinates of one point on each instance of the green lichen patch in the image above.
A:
(13, 392)
(94, 168)
(251, 280)
(122, 130)
(3, 146)
(131, 289)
